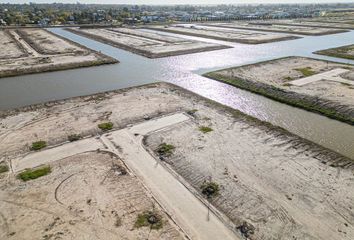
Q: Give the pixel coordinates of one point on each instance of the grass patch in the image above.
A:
(74, 137)
(4, 168)
(38, 145)
(288, 78)
(165, 149)
(105, 126)
(306, 72)
(31, 174)
(205, 129)
(149, 219)
(210, 189)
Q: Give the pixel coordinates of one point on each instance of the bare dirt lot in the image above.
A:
(302, 30)
(346, 52)
(37, 50)
(272, 183)
(308, 23)
(12, 48)
(240, 36)
(151, 45)
(273, 79)
(87, 196)
(335, 19)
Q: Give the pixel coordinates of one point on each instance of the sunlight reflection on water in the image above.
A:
(185, 71)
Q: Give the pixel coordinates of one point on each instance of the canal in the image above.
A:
(185, 71)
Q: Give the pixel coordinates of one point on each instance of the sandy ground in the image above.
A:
(280, 72)
(190, 213)
(12, 50)
(47, 43)
(37, 50)
(152, 45)
(303, 30)
(342, 52)
(86, 196)
(240, 36)
(271, 182)
(339, 19)
(194, 219)
(306, 22)
(281, 184)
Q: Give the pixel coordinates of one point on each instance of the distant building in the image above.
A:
(44, 22)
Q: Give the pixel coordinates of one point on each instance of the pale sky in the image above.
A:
(177, 1)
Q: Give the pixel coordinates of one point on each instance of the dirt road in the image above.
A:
(187, 210)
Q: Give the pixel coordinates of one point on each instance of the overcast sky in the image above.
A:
(176, 1)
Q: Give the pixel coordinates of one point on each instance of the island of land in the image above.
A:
(160, 162)
(148, 44)
(315, 85)
(346, 52)
(309, 23)
(239, 36)
(34, 50)
(270, 27)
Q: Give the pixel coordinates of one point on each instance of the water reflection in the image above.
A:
(185, 71)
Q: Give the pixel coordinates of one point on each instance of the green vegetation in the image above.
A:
(165, 149)
(3, 168)
(288, 78)
(31, 174)
(38, 145)
(210, 189)
(149, 219)
(280, 95)
(74, 137)
(205, 129)
(346, 52)
(105, 126)
(306, 72)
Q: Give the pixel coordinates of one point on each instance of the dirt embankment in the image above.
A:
(272, 184)
(241, 36)
(271, 79)
(150, 45)
(346, 52)
(44, 51)
(269, 27)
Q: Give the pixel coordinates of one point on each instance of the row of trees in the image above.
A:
(61, 13)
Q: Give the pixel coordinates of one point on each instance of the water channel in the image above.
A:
(186, 71)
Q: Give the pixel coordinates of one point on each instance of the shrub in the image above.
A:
(4, 168)
(288, 78)
(210, 189)
(38, 145)
(306, 72)
(105, 126)
(191, 112)
(165, 149)
(149, 219)
(205, 129)
(74, 137)
(31, 174)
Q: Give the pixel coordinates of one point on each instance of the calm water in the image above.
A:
(185, 71)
